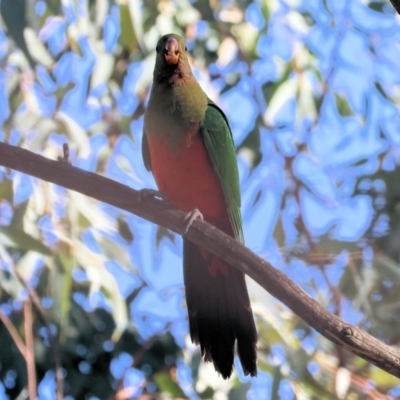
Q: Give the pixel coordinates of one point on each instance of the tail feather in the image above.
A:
(219, 313)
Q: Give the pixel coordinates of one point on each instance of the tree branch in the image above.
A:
(14, 334)
(350, 337)
(30, 352)
(34, 298)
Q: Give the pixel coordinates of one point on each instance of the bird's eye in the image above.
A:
(185, 48)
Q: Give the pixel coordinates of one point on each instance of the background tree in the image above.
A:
(311, 90)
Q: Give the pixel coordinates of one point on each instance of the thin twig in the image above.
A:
(14, 334)
(137, 356)
(35, 299)
(65, 157)
(30, 352)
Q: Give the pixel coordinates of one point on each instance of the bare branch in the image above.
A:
(35, 299)
(30, 353)
(350, 337)
(65, 156)
(14, 334)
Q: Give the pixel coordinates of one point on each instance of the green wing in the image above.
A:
(221, 149)
(146, 152)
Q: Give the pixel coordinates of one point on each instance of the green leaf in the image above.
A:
(343, 106)
(25, 241)
(380, 89)
(239, 392)
(250, 147)
(383, 380)
(277, 377)
(208, 393)
(306, 105)
(283, 92)
(164, 233)
(115, 252)
(167, 385)
(269, 88)
(279, 233)
(124, 229)
(377, 6)
(127, 37)
(386, 268)
(27, 264)
(195, 366)
(83, 222)
(369, 278)
(6, 190)
(63, 284)
(19, 214)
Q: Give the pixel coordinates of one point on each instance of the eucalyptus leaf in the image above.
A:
(239, 392)
(25, 241)
(6, 190)
(343, 106)
(167, 385)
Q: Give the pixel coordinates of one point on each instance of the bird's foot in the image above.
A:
(190, 217)
(144, 194)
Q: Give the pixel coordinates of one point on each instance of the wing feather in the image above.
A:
(218, 139)
(146, 152)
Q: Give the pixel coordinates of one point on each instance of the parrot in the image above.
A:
(188, 146)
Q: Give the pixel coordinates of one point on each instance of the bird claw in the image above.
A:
(190, 217)
(147, 193)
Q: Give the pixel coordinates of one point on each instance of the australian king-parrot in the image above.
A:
(188, 146)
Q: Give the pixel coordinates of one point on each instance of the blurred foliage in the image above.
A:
(311, 89)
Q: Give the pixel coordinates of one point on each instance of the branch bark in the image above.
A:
(351, 338)
(30, 351)
(12, 330)
(35, 300)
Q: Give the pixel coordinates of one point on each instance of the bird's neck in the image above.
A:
(181, 99)
(172, 75)
(174, 109)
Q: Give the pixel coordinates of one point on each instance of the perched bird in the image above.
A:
(188, 146)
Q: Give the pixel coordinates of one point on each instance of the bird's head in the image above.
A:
(171, 55)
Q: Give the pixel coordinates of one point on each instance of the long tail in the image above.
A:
(219, 311)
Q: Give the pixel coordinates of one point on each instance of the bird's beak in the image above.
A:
(171, 51)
